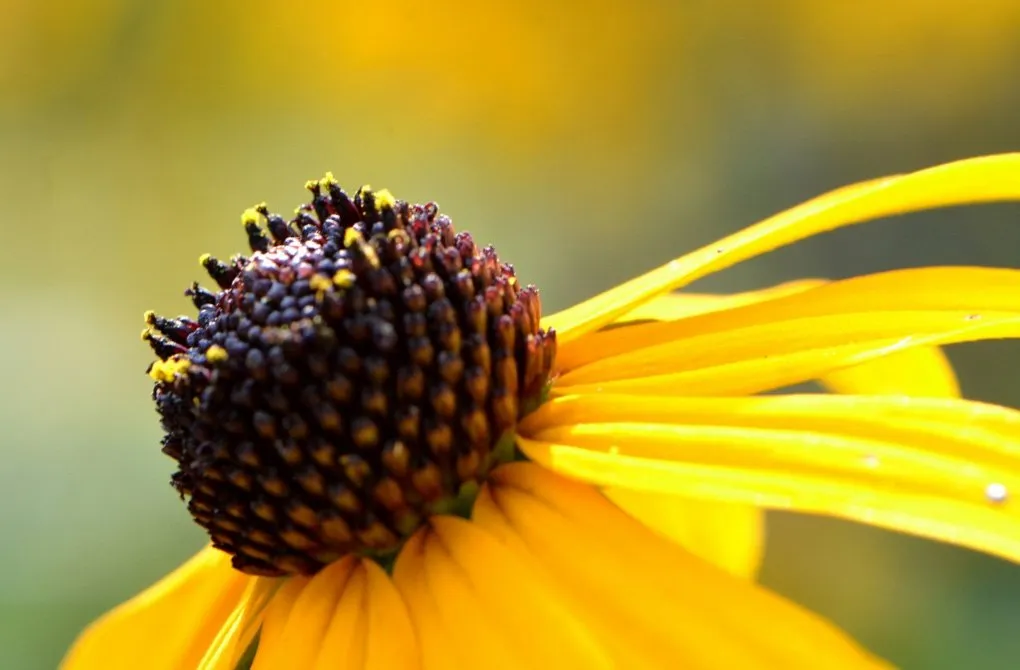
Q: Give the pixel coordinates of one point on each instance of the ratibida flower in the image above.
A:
(401, 463)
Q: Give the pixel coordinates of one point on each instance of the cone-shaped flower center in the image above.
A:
(362, 369)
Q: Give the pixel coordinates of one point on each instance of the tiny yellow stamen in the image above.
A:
(203, 259)
(351, 236)
(319, 283)
(344, 278)
(150, 317)
(370, 255)
(146, 334)
(384, 200)
(310, 185)
(328, 180)
(216, 354)
(165, 371)
(250, 216)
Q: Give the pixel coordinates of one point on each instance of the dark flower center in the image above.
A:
(362, 369)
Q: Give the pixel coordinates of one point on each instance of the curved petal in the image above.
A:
(934, 467)
(649, 602)
(488, 604)
(729, 535)
(672, 306)
(170, 625)
(237, 635)
(348, 615)
(762, 358)
(436, 641)
(984, 179)
(391, 642)
(973, 293)
(274, 621)
(921, 372)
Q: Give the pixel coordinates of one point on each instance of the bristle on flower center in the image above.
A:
(362, 369)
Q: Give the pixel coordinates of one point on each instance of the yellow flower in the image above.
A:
(628, 534)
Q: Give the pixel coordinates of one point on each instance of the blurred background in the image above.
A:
(588, 140)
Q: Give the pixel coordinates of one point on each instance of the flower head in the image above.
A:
(361, 371)
(402, 464)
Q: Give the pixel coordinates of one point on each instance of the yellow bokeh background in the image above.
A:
(588, 141)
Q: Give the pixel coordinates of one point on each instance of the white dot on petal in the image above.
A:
(996, 492)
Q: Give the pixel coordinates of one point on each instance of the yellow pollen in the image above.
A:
(351, 236)
(146, 334)
(204, 258)
(216, 354)
(370, 255)
(250, 216)
(309, 185)
(319, 283)
(150, 317)
(165, 371)
(344, 278)
(328, 180)
(384, 200)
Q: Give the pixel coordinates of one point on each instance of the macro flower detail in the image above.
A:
(402, 463)
(361, 370)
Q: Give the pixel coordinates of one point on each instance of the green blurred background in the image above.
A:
(588, 140)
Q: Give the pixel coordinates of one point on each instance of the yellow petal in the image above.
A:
(972, 291)
(440, 647)
(391, 639)
(939, 468)
(348, 615)
(459, 608)
(672, 306)
(500, 608)
(730, 536)
(342, 644)
(274, 622)
(985, 179)
(652, 604)
(922, 371)
(237, 635)
(298, 617)
(769, 356)
(170, 625)
(371, 628)
(522, 603)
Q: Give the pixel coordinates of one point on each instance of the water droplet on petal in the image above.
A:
(996, 492)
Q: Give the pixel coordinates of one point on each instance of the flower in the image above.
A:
(341, 411)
